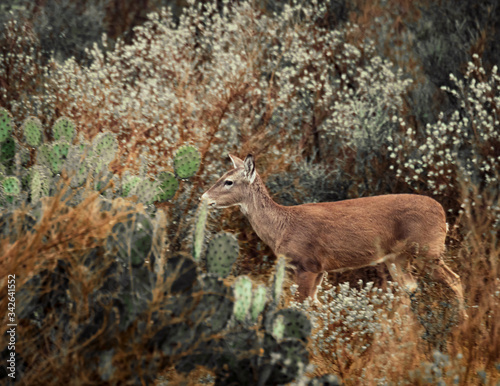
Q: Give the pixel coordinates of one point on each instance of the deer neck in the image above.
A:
(268, 219)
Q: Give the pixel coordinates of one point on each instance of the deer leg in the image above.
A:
(308, 282)
(404, 279)
(319, 280)
(442, 273)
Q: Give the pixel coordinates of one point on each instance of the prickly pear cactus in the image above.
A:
(146, 190)
(168, 185)
(32, 129)
(242, 297)
(186, 161)
(199, 230)
(64, 128)
(132, 241)
(279, 278)
(7, 150)
(11, 186)
(222, 253)
(128, 187)
(297, 324)
(258, 302)
(6, 124)
(52, 156)
(278, 330)
(60, 149)
(39, 182)
(215, 305)
(105, 146)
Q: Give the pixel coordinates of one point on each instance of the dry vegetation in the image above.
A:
(336, 100)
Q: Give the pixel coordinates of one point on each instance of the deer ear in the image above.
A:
(237, 162)
(250, 168)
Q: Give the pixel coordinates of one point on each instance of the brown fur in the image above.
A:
(337, 236)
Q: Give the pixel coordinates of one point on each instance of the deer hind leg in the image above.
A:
(308, 284)
(396, 264)
(443, 274)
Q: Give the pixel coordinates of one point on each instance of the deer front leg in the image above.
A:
(308, 283)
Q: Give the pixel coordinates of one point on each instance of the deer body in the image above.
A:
(343, 235)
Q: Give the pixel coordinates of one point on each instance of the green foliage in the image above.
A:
(11, 186)
(295, 323)
(259, 302)
(132, 241)
(146, 190)
(243, 297)
(278, 327)
(279, 277)
(168, 185)
(7, 150)
(6, 124)
(186, 161)
(129, 185)
(199, 230)
(64, 128)
(32, 129)
(39, 183)
(222, 252)
(105, 146)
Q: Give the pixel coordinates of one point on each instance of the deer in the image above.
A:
(317, 238)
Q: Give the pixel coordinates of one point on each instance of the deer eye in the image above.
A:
(228, 183)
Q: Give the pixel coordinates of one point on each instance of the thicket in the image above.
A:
(107, 141)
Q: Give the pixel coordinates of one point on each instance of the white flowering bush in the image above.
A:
(352, 325)
(462, 147)
(219, 77)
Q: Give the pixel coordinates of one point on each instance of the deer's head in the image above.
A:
(233, 187)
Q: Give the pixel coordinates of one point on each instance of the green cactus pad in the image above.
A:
(278, 328)
(32, 129)
(221, 254)
(186, 161)
(279, 277)
(215, 306)
(242, 297)
(43, 154)
(55, 161)
(7, 149)
(259, 302)
(39, 183)
(132, 241)
(199, 230)
(297, 324)
(168, 184)
(145, 191)
(64, 128)
(60, 149)
(80, 176)
(6, 124)
(11, 186)
(129, 185)
(142, 239)
(294, 359)
(105, 146)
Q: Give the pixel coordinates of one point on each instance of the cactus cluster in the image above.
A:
(83, 162)
(203, 321)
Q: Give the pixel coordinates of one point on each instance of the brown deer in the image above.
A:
(343, 235)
